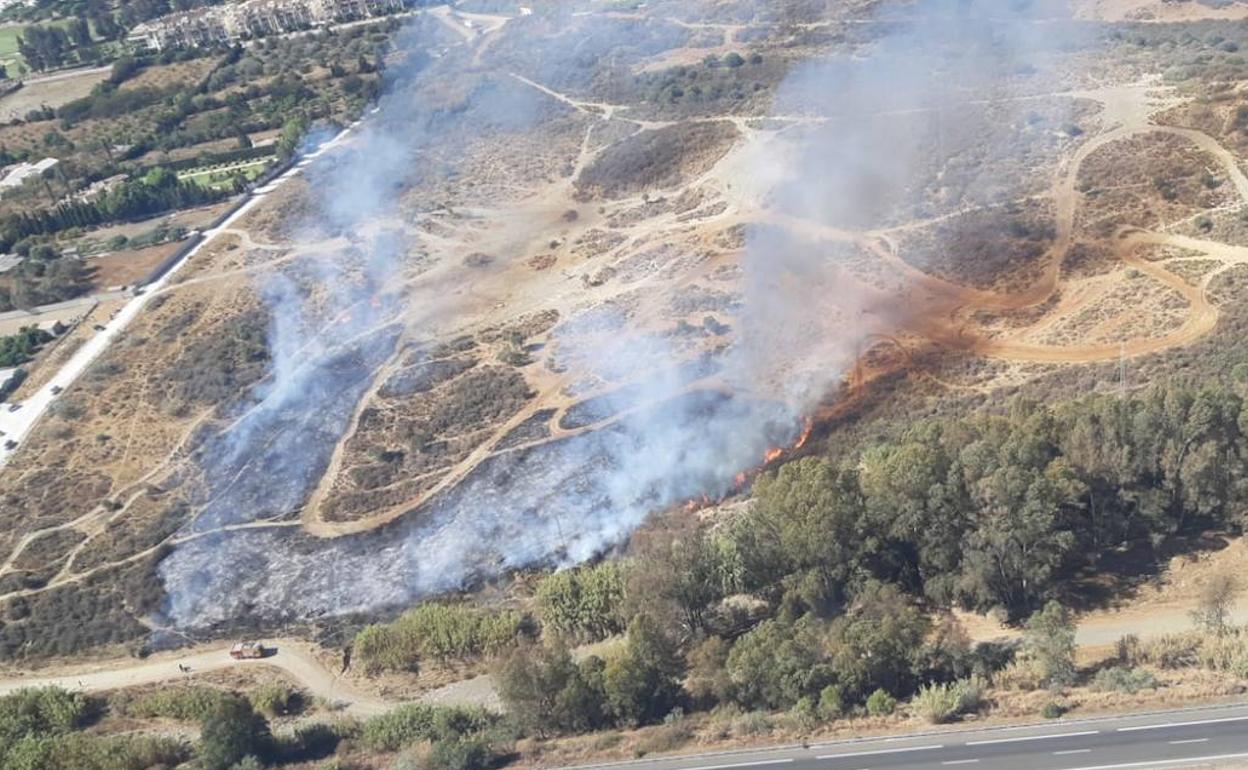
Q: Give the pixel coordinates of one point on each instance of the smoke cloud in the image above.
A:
(928, 120)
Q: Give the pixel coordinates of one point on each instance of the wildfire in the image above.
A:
(801, 440)
(742, 478)
(698, 503)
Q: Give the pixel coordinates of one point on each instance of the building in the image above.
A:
(228, 24)
(15, 175)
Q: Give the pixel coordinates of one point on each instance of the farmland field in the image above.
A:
(53, 93)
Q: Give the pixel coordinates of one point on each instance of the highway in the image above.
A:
(1208, 737)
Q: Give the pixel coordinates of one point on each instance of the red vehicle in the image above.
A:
(248, 650)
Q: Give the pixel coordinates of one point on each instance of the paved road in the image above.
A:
(1215, 737)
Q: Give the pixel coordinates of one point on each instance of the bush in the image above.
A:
(941, 703)
(805, 713)
(460, 754)
(1052, 710)
(583, 603)
(185, 704)
(230, 732)
(1123, 679)
(76, 751)
(881, 704)
(416, 722)
(665, 738)
(938, 703)
(276, 699)
(831, 703)
(438, 631)
(971, 694)
(31, 718)
(1171, 650)
(1227, 653)
(751, 723)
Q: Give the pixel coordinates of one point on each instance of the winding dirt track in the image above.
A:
(1127, 112)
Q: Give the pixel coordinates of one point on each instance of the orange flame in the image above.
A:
(801, 440)
(772, 454)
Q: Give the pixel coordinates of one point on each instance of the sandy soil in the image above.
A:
(1159, 10)
(51, 92)
(1162, 606)
(125, 268)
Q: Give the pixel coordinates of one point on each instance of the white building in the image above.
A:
(14, 176)
(227, 24)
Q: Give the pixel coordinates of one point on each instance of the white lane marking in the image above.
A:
(1182, 724)
(1189, 740)
(960, 762)
(743, 764)
(1032, 738)
(1165, 762)
(1071, 751)
(875, 753)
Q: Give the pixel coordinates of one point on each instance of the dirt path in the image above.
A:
(293, 657)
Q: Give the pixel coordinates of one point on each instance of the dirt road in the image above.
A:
(293, 657)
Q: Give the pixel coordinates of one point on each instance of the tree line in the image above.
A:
(158, 191)
(819, 595)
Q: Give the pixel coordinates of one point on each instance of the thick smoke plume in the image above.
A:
(896, 132)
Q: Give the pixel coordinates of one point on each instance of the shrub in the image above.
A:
(881, 704)
(438, 631)
(938, 703)
(751, 723)
(665, 738)
(460, 754)
(415, 722)
(1228, 653)
(186, 704)
(1171, 650)
(31, 718)
(1123, 679)
(583, 603)
(971, 694)
(1052, 710)
(1128, 650)
(87, 752)
(831, 703)
(805, 712)
(275, 699)
(230, 732)
(1050, 640)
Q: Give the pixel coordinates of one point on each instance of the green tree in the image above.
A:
(777, 663)
(547, 692)
(1050, 639)
(293, 131)
(230, 732)
(876, 644)
(642, 684)
(585, 603)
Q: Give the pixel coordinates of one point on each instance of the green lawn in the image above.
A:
(9, 33)
(8, 42)
(219, 176)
